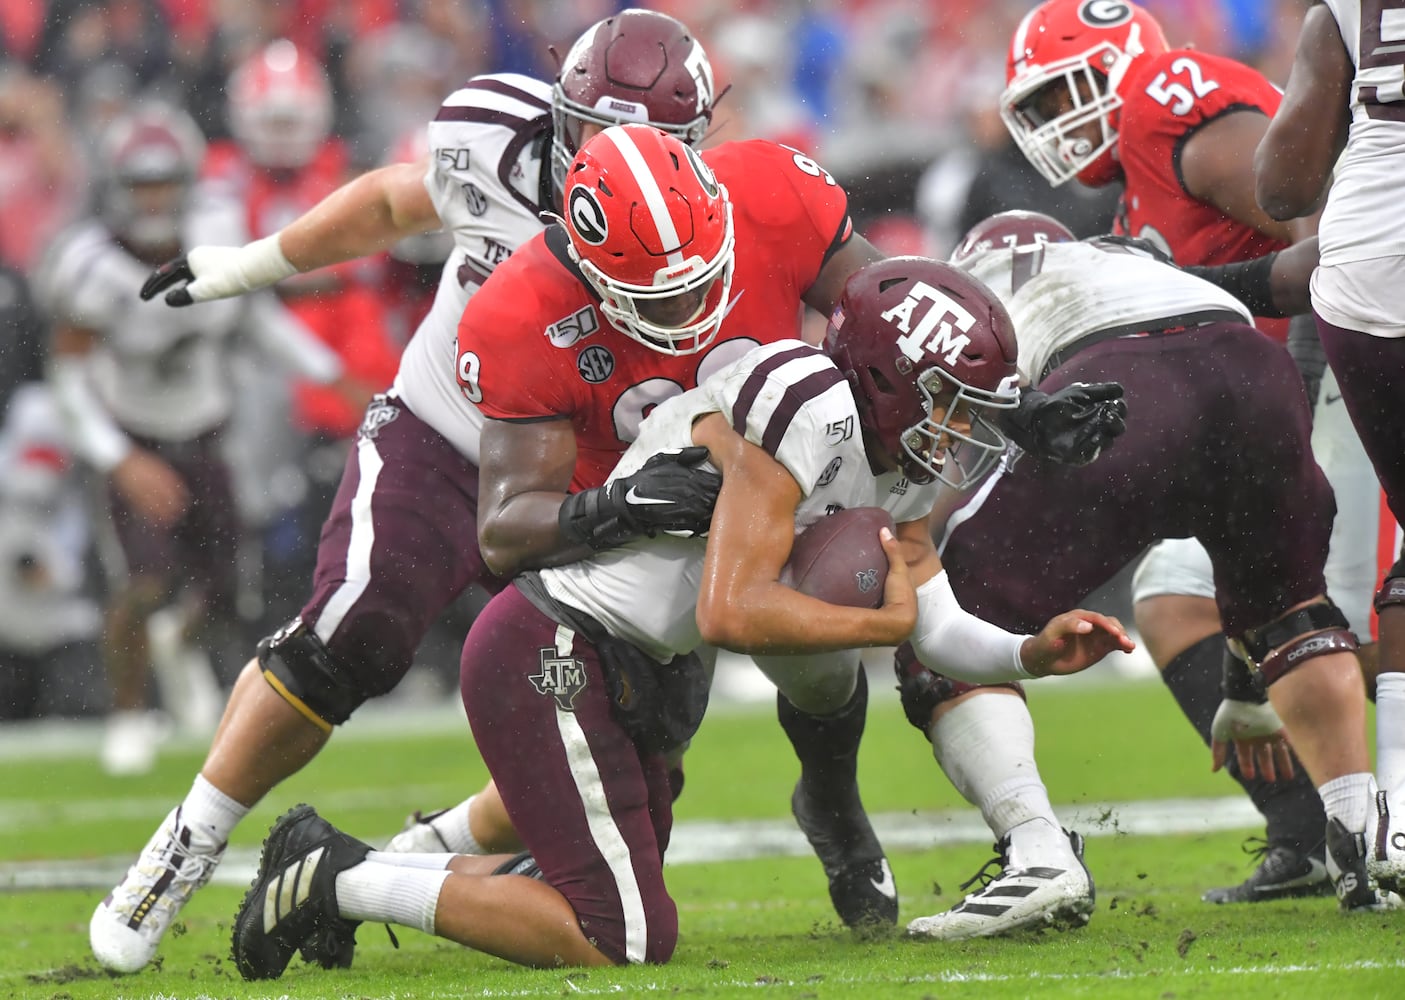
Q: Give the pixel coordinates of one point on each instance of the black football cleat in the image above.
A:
(861, 884)
(292, 903)
(1357, 892)
(1283, 872)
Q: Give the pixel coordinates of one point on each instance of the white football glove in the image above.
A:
(207, 272)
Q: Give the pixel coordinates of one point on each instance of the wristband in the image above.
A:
(591, 518)
(1249, 281)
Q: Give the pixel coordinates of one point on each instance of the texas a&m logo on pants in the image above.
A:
(562, 677)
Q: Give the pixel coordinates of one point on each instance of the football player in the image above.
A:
(1343, 97)
(1233, 471)
(917, 363)
(145, 393)
(394, 552)
(1095, 93)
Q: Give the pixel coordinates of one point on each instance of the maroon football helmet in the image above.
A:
(1013, 230)
(930, 354)
(637, 66)
(150, 157)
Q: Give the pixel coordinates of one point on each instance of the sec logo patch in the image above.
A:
(595, 364)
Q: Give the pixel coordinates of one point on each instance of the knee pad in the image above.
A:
(298, 665)
(1393, 590)
(922, 690)
(1290, 641)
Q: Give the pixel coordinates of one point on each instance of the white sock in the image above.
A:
(1350, 799)
(986, 747)
(452, 826)
(211, 814)
(390, 894)
(1390, 733)
(429, 862)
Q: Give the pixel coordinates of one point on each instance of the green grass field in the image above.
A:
(757, 927)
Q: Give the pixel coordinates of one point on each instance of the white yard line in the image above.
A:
(692, 842)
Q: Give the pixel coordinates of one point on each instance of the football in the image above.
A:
(839, 558)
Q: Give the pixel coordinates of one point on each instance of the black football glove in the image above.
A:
(668, 493)
(1071, 425)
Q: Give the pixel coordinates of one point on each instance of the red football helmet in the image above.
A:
(150, 158)
(651, 229)
(1066, 63)
(1012, 230)
(930, 353)
(280, 106)
(637, 66)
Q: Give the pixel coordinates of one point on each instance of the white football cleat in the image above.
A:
(439, 832)
(128, 925)
(130, 740)
(1385, 861)
(1018, 898)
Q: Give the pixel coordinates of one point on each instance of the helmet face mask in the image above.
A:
(1064, 70)
(929, 353)
(637, 66)
(651, 230)
(958, 442)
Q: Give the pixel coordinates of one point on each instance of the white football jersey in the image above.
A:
(160, 372)
(489, 179)
(1057, 293)
(787, 398)
(1362, 240)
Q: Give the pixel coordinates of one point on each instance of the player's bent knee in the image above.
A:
(922, 690)
(1293, 639)
(297, 664)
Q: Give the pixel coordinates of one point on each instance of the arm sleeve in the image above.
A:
(954, 642)
(92, 433)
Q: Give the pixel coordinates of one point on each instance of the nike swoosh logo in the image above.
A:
(885, 885)
(733, 303)
(1329, 399)
(633, 497)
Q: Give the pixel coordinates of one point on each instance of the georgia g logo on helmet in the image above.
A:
(587, 216)
(704, 173)
(1105, 13)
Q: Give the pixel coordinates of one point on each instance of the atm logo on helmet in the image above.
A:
(939, 328)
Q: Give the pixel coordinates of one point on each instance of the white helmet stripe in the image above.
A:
(1017, 44)
(649, 187)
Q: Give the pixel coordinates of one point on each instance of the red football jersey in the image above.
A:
(533, 345)
(1166, 99)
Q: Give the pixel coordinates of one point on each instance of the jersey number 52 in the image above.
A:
(1163, 90)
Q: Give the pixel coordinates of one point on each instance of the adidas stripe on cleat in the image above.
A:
(1016, 899)
(292, 904)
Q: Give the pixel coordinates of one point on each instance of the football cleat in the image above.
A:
(421, 836)
(1283, 872)
(861, 884)
(1019, 898)
(128, 925)
(1357, 891)
(1386, 863)
(293, 902)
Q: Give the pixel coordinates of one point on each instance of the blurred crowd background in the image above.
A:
(897, 98)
